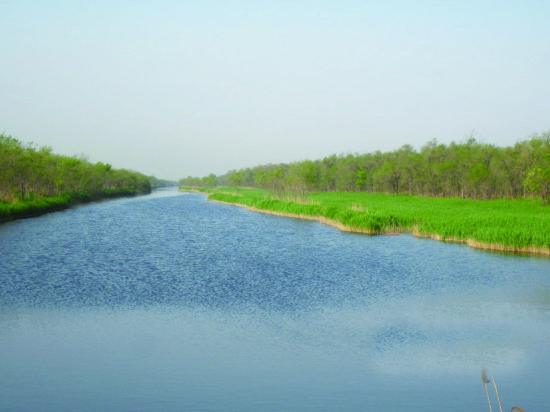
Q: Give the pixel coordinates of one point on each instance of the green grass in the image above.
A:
(519, 224)
(41, 205)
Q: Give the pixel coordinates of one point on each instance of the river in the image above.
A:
(168, 302)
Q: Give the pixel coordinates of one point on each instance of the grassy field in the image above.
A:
(521, 225)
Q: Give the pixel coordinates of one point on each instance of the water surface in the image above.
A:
(168, 302)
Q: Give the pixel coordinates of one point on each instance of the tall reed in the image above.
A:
(507, 225)
(496, 391)
(485, 381)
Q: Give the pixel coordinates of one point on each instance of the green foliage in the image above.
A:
(208, 181)
(236, 178)
(469, 169)
(157, 183)
(36, 180)
(518, 223)
(538, 178)
(362, 175)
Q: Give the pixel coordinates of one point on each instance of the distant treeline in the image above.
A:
(467, 170)
(158, 183)
(29, 174)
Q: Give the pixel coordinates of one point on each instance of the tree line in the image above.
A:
(157, 183)
(27, 172)
(469, 169)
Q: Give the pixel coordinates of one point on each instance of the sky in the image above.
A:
(188, 88)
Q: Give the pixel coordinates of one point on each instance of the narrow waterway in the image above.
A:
(168, 302)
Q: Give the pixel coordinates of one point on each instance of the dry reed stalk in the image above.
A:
(496, 391)
(485, 382)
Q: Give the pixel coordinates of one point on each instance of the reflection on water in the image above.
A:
(172, 303)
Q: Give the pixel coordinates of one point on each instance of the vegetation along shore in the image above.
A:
(34, 181)
(516, 226)
(486, 196)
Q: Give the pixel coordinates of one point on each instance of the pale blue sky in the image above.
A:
(178, 88)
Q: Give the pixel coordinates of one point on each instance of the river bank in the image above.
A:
(35, 181)
(43, 205)
(511, 226)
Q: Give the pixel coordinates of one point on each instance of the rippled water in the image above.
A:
(171, 303)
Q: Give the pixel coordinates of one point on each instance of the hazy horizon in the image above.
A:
(174, 89)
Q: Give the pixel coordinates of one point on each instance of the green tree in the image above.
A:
(210, 181)
(362, 178)
(537, 179)
(236, 178)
